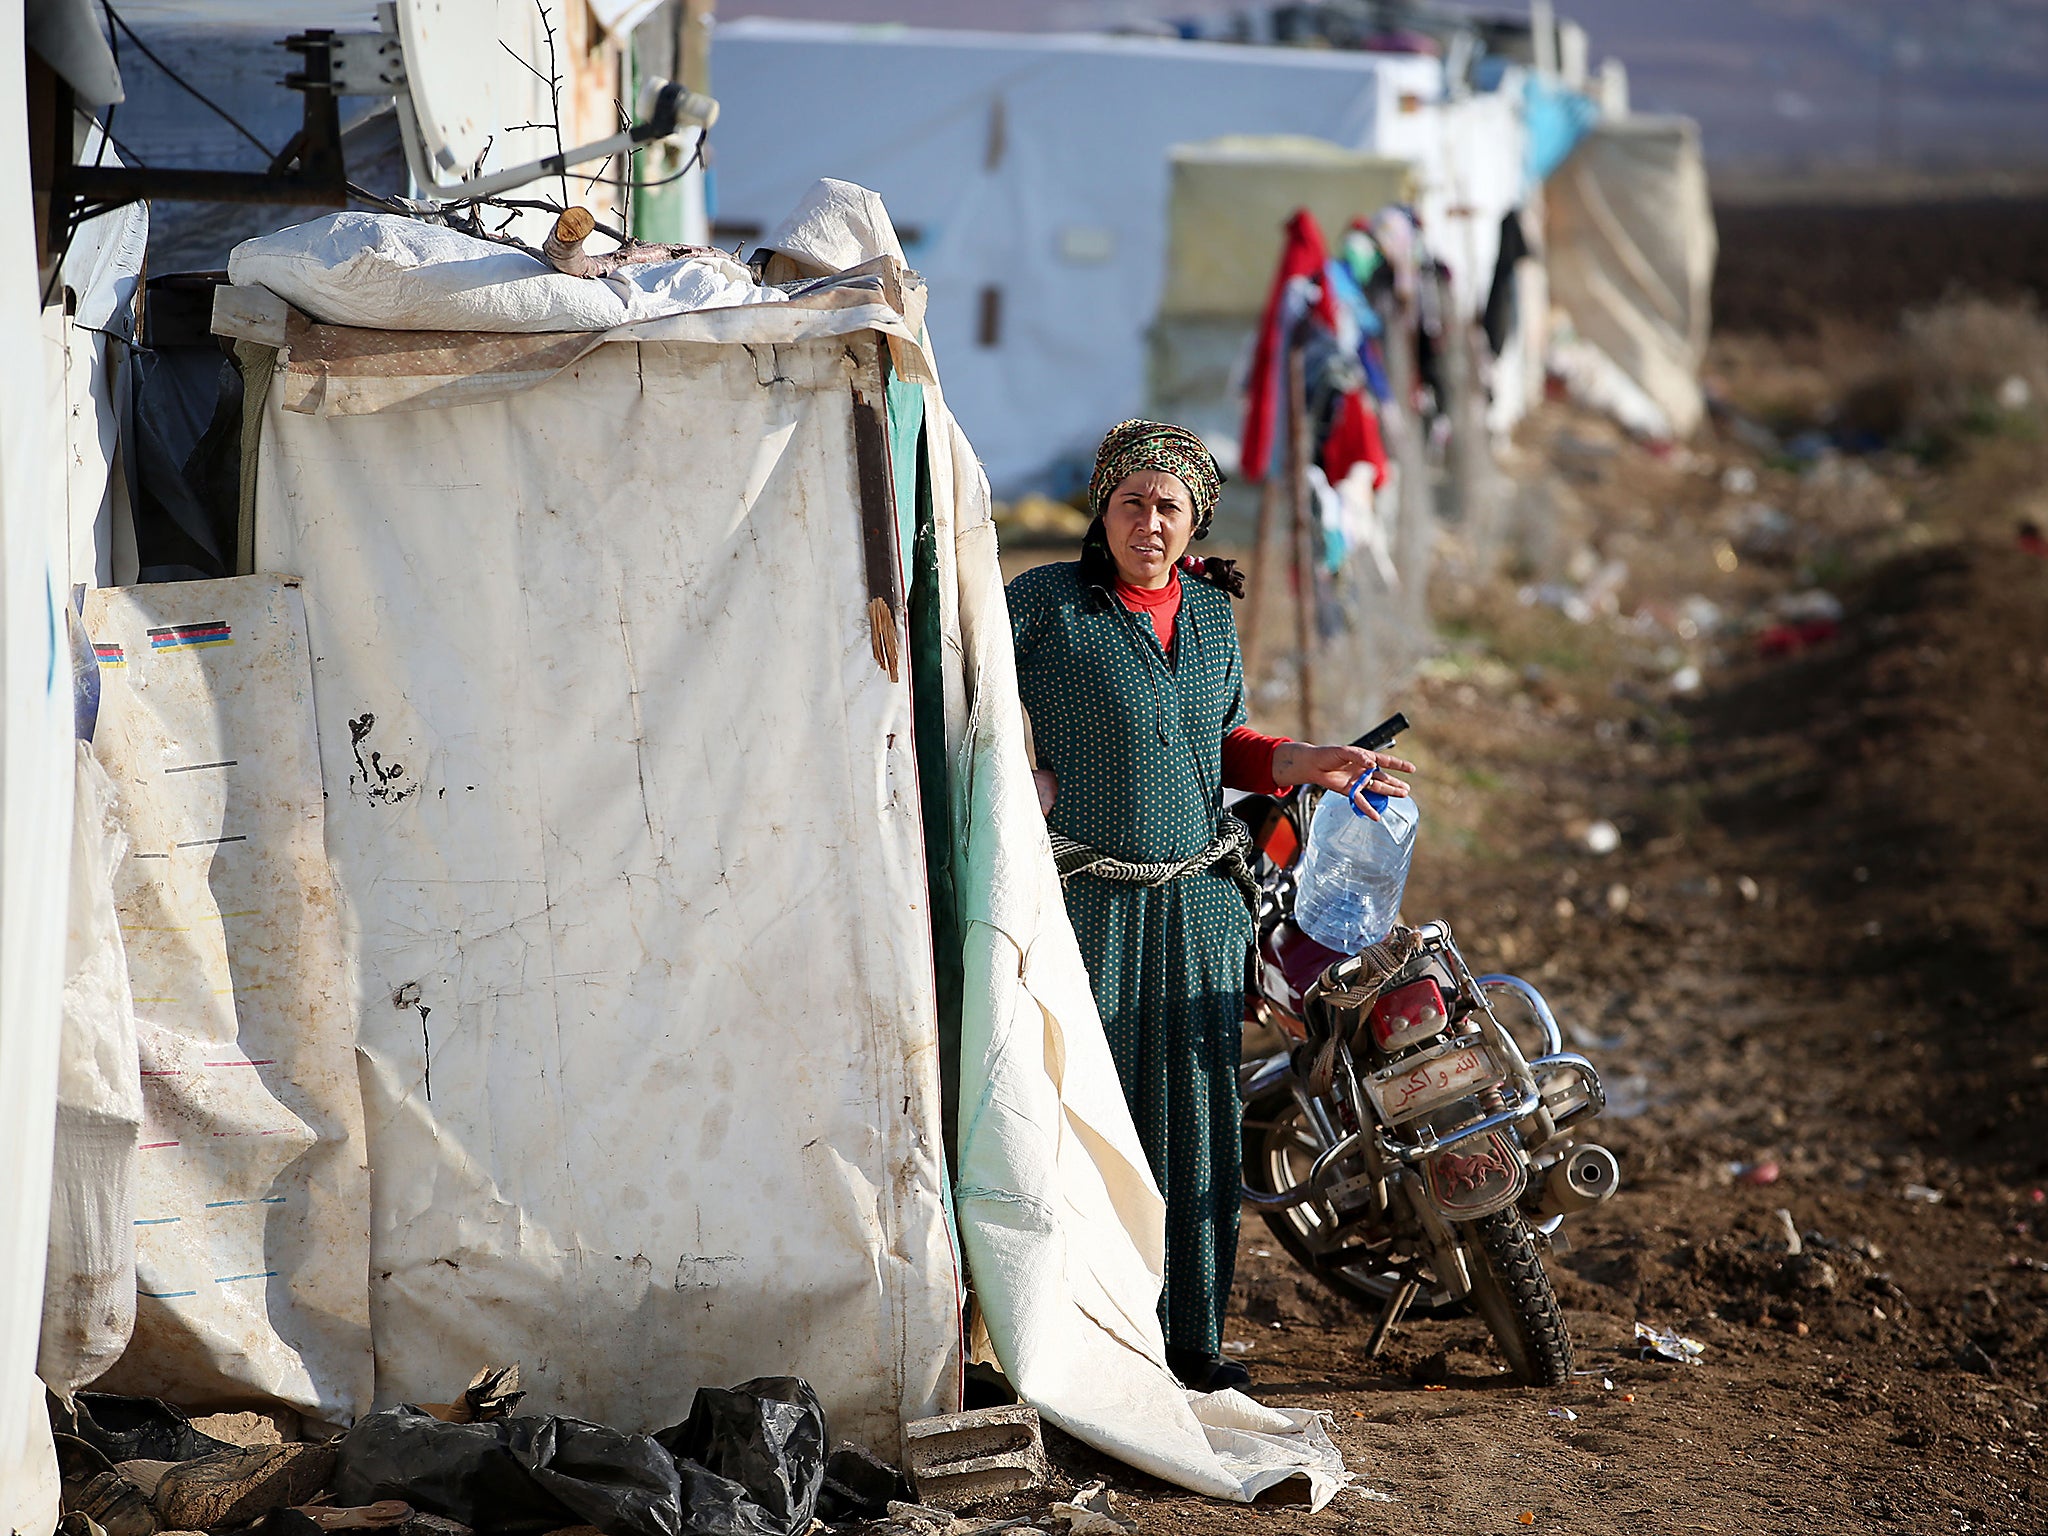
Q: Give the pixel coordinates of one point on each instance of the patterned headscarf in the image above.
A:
(1132, 446)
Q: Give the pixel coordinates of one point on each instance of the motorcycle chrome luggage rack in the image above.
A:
(1526, 1100)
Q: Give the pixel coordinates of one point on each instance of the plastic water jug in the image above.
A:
(1354, 869)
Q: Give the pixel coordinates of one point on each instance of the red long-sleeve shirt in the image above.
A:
(1247, 755)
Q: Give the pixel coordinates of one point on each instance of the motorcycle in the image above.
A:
(1403, 1145)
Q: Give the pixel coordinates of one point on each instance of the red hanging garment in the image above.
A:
(1303, 255)
(1355, 439)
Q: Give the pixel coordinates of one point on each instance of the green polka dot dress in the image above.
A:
(1135, 735)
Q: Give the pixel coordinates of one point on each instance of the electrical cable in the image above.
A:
(696, 157)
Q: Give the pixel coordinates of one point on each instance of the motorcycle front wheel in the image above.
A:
(1511, 1292)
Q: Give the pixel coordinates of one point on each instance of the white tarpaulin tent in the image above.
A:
(1028, 179)
(1632, 247)
(604, 653)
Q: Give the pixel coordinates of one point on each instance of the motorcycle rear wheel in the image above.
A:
(1278, 1151)
(1511, 1292)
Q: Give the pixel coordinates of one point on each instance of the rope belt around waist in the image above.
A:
(1225, 855)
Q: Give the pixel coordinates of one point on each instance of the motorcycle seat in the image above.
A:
(1297, 959)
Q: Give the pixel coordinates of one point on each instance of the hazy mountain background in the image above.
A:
(1780, 87)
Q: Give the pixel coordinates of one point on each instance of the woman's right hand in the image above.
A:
(1048, 789)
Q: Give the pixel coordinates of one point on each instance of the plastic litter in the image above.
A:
(1664, 1344)
(1566, 1414)
(492, 1393)
(1237, 1346)
(858, 1486)
(766, 1435)
(1373, 1494)
(382, 1515)
(1092, 1512)
(537, 1474)
(1922, 1194)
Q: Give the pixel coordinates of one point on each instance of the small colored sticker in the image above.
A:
(109, 655)
(190, 637)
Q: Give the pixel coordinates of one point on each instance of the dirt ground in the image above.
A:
(1812, 974)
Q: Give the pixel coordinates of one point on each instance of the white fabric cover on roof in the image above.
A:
(1034, 167)
(389, 272)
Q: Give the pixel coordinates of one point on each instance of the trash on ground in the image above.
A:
(1237, 1346)
(1791, 639)
(382, 1515)
(919, 1519)
(1373, 1494)
(767, 1436)
(1602, 837)
(134, 1428)
(254, 1427)
(959, 1458)
(1092, 1512)
(858, 1485)
(237, 1486)
(1922, 1194)
(491, 1395)
(1814, 605)
(1664, 1344)
(1789, 1231)
(748, 1461)
(1766, 1172)
(1566, 1414)
(1761, 531)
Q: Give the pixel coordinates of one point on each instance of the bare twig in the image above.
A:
(563, 249)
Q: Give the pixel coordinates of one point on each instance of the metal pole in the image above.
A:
(1256, 578)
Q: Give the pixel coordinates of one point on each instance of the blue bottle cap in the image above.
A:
(1376, 801)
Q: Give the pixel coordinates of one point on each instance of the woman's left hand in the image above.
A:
(1299, 762)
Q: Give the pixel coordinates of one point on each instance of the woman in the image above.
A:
(1132, 679)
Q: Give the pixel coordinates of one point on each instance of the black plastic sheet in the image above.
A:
(747, 1462)
(768, 1436)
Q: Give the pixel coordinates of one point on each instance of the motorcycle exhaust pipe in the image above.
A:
(1579, 1180)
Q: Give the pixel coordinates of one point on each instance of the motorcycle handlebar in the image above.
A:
(1382, 735)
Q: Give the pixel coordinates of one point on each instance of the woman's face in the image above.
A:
(1150, 520)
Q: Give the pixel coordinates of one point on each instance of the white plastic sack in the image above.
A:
(625, 815)
(252, 1219)
(835, 227)
(390, 272)
(89, 1283)
(1061, 1221)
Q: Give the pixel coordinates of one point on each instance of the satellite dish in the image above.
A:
(470, 74)
(467, 89)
